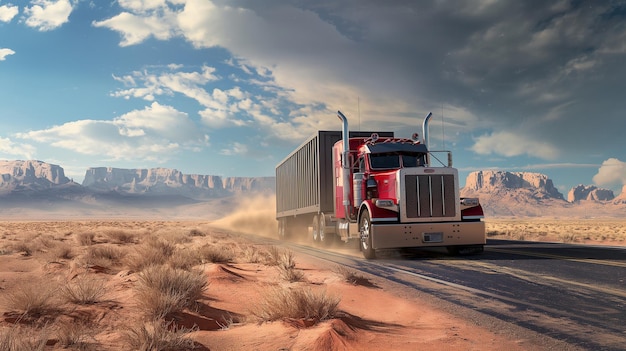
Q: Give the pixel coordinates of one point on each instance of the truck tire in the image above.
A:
(282, 229)
(365, 237)
(316, 229)
(325, 239)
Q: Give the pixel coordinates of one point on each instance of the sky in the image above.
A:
(230, 88)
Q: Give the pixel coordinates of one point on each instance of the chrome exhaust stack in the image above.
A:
(345, 163)
(425, 135)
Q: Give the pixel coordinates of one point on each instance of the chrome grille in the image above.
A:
(430, 196)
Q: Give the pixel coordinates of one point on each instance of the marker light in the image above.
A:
(469, 201)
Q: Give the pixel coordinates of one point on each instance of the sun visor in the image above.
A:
(396, 147)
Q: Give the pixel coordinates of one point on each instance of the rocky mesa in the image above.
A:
(166, 181)
(589, 193)
(30, 175)
(526, 194)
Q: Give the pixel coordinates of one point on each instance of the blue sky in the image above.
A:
(231, 87)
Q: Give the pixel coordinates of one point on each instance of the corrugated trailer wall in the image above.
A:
(304, 179)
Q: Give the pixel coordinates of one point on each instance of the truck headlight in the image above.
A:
(469, 201)
(384, 203)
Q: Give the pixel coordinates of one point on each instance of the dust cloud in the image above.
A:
(252, 215)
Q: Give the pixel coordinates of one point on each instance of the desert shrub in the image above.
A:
(185, 258)
(119, 236)
(83, 290)
(151, 252)
(216, 253)
(569, 238)
(34, 299)
(63, 251)
(162, 290)
(85, 238)
(287, 267)
(106, 256)
(75, 335)
(274, 255)
(251, 254)
(174, 236)
(109, 252)
(492, 233)
(159, 335)
(196, 232)
(296, 303)
(24, 248)
(16, 338)
(349, 275)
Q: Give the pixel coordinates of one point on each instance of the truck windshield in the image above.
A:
(395, 160)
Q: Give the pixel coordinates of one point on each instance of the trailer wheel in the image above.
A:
(316, 229)
(283, 230)
(366, 238)
(325, 239)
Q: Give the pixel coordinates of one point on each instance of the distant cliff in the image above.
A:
(522, 194)
(589, 193)
(535, 185)
(166, 181)
(30, 175)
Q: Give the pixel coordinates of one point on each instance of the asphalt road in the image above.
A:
(572, 293)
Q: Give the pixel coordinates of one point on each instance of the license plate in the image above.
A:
(432, 237)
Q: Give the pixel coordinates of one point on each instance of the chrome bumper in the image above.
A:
(386, 236)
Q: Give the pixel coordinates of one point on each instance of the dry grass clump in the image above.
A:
(287, 267)
(185, 258)
(23, 248)
(18, 338)
(83, 290)
(152, 251)
(349, 275)
(174, 236)
(34, 299)
(196, 232)
(63, 251)
(274, 255)
(159, 335)
(119, 236)
(75, 335)
(251, 254)
(162, 290)
(106, 256)
(85, 238)
(216, 253)
(297, 303)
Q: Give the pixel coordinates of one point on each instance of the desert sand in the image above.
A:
(84, 285)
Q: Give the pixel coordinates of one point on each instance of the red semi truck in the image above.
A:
(383, 191)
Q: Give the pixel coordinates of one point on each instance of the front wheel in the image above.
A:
(365, 236)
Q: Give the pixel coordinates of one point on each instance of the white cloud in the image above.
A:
(7, 12)
(235, 149)
(11, 148)
(611, 172)
(155, 133)
(47, 15)
(142, 5)
(150, 18)
(4, 52)
(511, 144)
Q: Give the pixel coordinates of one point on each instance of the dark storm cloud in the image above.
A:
(550, 70)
